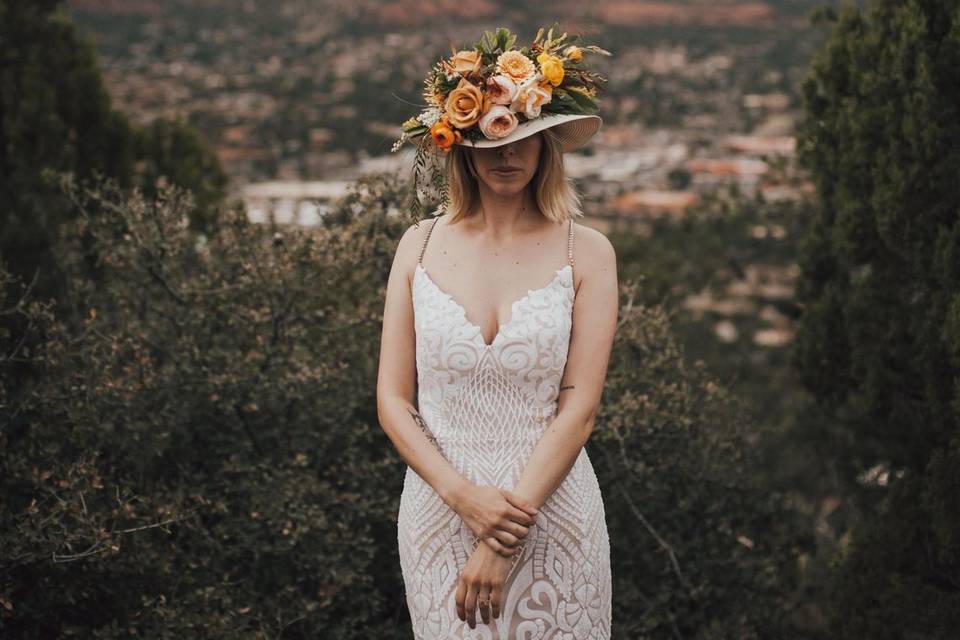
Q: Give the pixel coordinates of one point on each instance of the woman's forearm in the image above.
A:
(418, 447)
(553, 456)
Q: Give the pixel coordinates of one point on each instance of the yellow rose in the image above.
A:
(515, 65)
(465, 104)
(573, 53)
(466, 62)
(552, 68)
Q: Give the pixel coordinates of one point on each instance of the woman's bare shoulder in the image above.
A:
(417, 230)
(408, 249)
(593, 253)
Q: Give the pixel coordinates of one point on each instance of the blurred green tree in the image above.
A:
(879, 338)
(172, 152)
(55, 113)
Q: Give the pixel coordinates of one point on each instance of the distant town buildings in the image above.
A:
(292, 202)
(628, 175)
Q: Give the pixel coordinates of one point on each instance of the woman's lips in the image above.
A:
(506, 172)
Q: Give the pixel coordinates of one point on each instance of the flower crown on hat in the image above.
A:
(490, 90)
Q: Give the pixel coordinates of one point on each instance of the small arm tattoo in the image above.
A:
(418, 419)
(570, 386)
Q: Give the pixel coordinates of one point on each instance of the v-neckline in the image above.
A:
(513, 306)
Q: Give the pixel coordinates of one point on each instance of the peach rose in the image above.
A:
(552, 68)
(466, 104)
(466, 62)
(498, 122)
(515, 65)
(444, 136)
(501, 89)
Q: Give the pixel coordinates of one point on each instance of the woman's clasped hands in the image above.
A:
(502, 520)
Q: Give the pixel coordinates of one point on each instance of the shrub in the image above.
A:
(194, 450)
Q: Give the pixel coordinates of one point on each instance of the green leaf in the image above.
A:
(584, 102)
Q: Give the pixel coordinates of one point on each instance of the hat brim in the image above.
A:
(573, 131)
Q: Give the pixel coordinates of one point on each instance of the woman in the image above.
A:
(489, 395)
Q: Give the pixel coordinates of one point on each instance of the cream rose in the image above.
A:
(501, 89)
(515, 65)
(465, 104)
(532, 95)
(498, 122)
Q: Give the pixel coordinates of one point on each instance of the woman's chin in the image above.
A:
(506, 187)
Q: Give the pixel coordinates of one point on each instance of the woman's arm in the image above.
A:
(497, 516)
(417, 446)
(594, 325)
(491, 513)
(397, 378)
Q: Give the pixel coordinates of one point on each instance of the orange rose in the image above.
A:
(444, 136)
(465, 104)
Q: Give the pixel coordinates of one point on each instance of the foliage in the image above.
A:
(701, 548)
(880, 286)
(172, 152)
(201, 455)
(189, 463)
(55, 113)
(898, 580)
(880, 264)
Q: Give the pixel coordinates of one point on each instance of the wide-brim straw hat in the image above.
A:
(574, 131)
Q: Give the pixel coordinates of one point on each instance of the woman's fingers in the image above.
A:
(510, 526)
(460, 599)
(519, 516)
(519, 502)
(483, 602)
(507, 551)
(506, 538)
(495, 601)
(470, 603)
(506, 531)
(497, 546)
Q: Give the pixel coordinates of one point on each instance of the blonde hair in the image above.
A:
(553, 189)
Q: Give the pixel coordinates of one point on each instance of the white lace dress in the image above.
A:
(487, 405)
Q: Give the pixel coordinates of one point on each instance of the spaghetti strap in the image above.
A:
(570, 244)
(425, 240)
